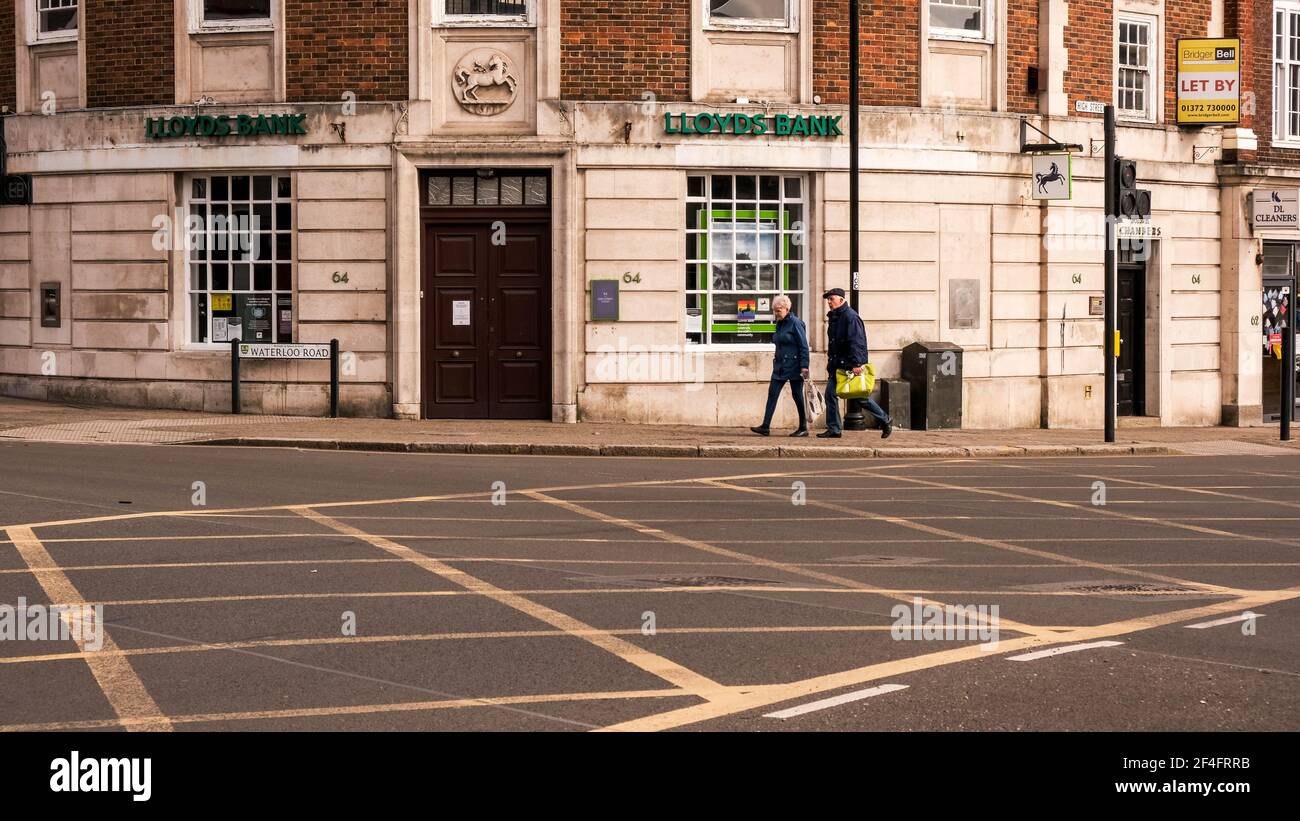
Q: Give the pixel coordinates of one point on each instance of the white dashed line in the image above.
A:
(836, 701)
(1247, 616)
(1069, 648)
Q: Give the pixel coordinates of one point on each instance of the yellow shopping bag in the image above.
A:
(848, 386)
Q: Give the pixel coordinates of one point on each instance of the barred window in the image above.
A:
(484, 12)
(1286, 72)
(745, 238)
(762, 12)
(1134, 81)
(227, 11)
(959, 18)
(57, 16)
(502, 7)
(239, 249)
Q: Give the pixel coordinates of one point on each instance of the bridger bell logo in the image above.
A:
(226, 125)
(77, 774)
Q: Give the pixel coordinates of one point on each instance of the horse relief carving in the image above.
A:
(485, 83)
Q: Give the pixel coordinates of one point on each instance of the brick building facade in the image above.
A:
(469, 174)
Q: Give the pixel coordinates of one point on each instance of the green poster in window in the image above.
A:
(733, 309)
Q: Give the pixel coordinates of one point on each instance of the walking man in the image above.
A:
(846, 350)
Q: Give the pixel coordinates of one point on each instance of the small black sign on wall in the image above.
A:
(16, 189)
(604, 300)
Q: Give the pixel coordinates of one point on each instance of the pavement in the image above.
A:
(40, 421)
(261, 589)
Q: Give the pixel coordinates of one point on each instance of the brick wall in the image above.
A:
(1090, 42)
(129, 52)
(891, 46)
(1022, 53)
(1183, 18)
(620, 50)
(8, 91)
(334, 46)
(1256, 30)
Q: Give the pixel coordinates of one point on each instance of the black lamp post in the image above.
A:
(854, 419)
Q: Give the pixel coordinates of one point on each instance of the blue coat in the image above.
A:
(846, 340)
(791, 340)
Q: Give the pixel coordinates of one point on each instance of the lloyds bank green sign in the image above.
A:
(226, 125)
(753, 125)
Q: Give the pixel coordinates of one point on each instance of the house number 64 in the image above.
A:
(340, 277)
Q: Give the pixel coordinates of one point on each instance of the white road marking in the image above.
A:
(1069, 648)
(1247, 616)
(836, 701)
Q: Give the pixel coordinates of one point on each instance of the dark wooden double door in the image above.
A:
(486, 318)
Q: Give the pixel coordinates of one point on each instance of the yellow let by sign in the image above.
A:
(222, 302)
(1209, 81)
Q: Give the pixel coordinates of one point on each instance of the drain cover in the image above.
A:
(709, 581)
(1135, 587)
(871, 558)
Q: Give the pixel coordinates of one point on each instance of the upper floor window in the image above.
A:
(231, 14)
(962, 19)
(1135, 93)
(1286, 72)
(57, 19)
(484, 12)
(764, 13)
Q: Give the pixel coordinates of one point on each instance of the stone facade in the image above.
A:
(947, 205)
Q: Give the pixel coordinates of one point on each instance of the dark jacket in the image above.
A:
(791, 340)
(847, 340)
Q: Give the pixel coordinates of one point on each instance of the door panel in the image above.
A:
(486, 320)
(455, 322)
(1131, 388)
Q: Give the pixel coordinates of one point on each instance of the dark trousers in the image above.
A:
(833, 422)
(774, 394)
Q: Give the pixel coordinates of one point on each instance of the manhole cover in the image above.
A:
(1136, 587)
(709, 581)
(871, 558)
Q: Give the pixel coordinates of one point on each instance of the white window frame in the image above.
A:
(441, 19)
(185, 285)
(198, 25)
(1283, 135)
(789, 25)
(988, 12)
(807, 304)
(34, 34)
(1155, 52)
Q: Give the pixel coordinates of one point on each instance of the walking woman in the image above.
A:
(789, 365)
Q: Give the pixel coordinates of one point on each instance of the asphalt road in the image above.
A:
(332, 590)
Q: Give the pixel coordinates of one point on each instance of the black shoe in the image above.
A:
(762, 431)
(802, 432)
(888, 428)
(826, 434)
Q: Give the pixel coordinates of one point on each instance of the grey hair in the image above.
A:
(781, 301)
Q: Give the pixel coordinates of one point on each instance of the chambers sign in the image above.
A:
(226, 125)
(754, 125)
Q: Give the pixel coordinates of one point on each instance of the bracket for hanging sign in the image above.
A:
(1051, 147)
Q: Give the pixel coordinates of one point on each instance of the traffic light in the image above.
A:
(16, 189)
(1131, 202)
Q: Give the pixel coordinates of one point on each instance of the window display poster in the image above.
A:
(1276, 309)
(284, 307)
(746, 310)
(226, 328)
(256, 315)
(222, 302)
